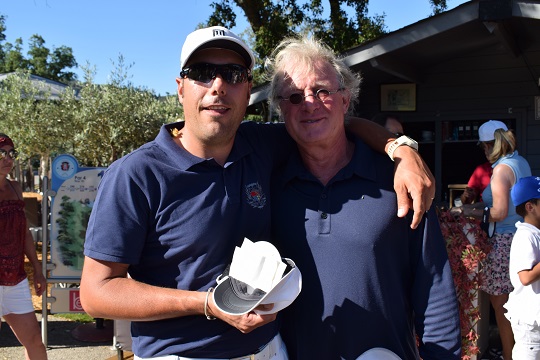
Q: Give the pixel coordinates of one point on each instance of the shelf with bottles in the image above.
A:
(460, 131)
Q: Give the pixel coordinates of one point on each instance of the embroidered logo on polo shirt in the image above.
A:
(255, 195)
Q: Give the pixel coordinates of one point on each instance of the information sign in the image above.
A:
(76, 189)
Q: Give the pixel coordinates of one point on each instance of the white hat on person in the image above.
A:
(486, 132)
(257, 275)
(215, 37)
(378, 353)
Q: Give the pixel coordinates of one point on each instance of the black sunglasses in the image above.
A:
(11, 153)
(297, 98)
(231, 73)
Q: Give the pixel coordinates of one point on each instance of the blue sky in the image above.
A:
(149, 34)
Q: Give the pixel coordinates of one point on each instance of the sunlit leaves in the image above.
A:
(96, 123)
(342, 24)
(53, 64)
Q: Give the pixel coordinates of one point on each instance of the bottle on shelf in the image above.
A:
(475, 130)
(446, 135)
(461, 131)
(468, 131)
(455, 132)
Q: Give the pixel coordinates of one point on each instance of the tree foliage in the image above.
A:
(438, 6)
(36, 124)
(96, 123)
(116, 118)
(271, 21)
(52, 64)
(341, 24)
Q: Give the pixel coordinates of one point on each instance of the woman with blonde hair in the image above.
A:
(498, 214)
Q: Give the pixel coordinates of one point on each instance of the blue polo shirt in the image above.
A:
(368, 279)
(176, 219)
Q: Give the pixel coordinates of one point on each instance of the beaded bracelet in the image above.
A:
(209, 317)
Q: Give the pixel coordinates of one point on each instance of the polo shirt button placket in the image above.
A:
(324, 217)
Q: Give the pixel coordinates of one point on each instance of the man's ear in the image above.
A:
(180, 90)
(250, 86)
(346, 102)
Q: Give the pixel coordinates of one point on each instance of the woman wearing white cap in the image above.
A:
(498, 213)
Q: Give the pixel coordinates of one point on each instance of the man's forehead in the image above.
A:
(216, 56)
(300, 80)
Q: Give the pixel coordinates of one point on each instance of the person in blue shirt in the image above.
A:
(369, 280)
(168, 216)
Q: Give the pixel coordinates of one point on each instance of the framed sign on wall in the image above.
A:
(398, 97)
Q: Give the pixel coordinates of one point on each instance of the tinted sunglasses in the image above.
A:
(11, 153)
(298, 98)
(230, 73)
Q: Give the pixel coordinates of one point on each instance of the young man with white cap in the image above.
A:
(171, 213)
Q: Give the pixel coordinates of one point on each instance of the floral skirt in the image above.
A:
(495, 275)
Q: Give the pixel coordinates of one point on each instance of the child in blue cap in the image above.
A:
(524, 302)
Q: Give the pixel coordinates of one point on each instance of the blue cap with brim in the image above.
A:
(525, 189)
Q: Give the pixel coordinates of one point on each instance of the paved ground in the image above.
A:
(63, 336)
(62, 345)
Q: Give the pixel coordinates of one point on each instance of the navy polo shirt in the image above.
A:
(368, 279)
(176, 219)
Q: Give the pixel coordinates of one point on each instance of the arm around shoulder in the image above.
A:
(413, 181)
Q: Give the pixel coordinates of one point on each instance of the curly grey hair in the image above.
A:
(306, 51)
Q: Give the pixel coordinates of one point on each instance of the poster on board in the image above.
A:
(76, 190)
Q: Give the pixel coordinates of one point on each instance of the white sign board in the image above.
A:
(66, 300)
(76, 190)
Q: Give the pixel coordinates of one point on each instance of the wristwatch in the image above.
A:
(402, 140)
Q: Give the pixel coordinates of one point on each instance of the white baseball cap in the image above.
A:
(486, 132)
(378, 353)
(215, 37)
(257, 275)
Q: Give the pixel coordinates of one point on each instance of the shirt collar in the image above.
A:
(360, 165)
(532, 228)
(507, 156)
(186, 160)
